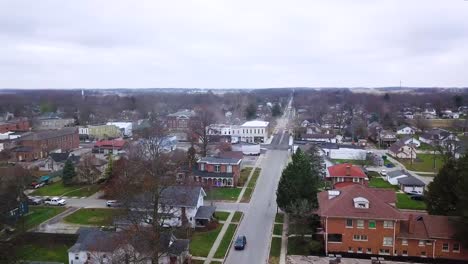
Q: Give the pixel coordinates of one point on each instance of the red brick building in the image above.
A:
(181, 120)
(346, 174)
(361, 220)
(218, 172)
(38, 145)
(15, 125)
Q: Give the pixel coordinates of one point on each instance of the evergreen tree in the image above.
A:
(441, 196)
(251, 111)
(191, 156)
(68, 173)
(276, 110)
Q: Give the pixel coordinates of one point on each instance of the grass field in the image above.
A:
(39, 214)
(237, 216)
(43, 252)
(278, 229)
(93, 216)
(221, 216)
(379, 182)
(405, 202)
(424, 162)
(251, 187)
(227, 194)
(279, 218)
(275, 249)
(373, 174)
(201, 242)
(58, 189)
(244, 175)
(226, 241)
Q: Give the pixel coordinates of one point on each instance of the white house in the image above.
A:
(402, 150)
(411, 184)
(108, 247)
(405, 130)
(252, 131)
(393, 176)
(411, 140)
(125, 127)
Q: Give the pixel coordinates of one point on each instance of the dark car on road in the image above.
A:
(34, 201)
(240, 243)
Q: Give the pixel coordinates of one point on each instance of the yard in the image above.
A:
(221, 216)
(278, 229)
(424, 162)
(304, 246)
(355, 162)
(251, 187)
(58, 189)
(244, 175)
(379, 182)
(279, 218)
(93, 216)
(226, 241)
(50, 252)
(201, 242)
(237, 217)
(405, 202)
(275, 250)
(227, 194)
(39, 214)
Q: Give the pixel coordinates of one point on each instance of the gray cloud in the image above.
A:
(233, 43)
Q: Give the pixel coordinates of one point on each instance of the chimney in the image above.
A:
(411, 224)
(348, 170)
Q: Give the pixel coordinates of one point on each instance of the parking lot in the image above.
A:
(326, 260)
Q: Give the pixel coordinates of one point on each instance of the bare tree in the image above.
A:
(87, 170)
(421, 123)
(204, 118)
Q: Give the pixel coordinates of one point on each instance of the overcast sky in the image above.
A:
(233, 43)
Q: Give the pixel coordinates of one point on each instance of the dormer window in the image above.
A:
(361, 202)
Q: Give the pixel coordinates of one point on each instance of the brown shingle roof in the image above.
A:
(426, 226)
(47, 134)
(343, 205)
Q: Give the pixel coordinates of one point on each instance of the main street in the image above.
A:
(258, 220)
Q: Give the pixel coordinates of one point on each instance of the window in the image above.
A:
(77, 256)
(355, 179)
(423, 253)
(339, 179)
(349, 223)
(421, 243)
(359, 250)
(371, 223)
(360, 224)
(350, 249)
(360, 237)
(335, 238)
(384, 251)
(217, 168)
(445, 247)
(369, 251)
(388, 224)
(202, 166)
(388, 241)
(404, 242)
(456, 247)
(405, 253)
(229, 169)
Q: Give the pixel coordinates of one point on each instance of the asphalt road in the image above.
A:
(258, 220)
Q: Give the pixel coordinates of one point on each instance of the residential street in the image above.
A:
(258, 219)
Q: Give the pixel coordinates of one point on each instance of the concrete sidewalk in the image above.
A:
(218, 240)
(257, 164)
(284, 239)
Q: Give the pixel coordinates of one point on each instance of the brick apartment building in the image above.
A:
(181, 120)
(218, 172)
(361, 220)
(15, 125)
(37, 145)
(345, 174)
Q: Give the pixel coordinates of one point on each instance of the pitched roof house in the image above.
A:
(405, 130)
(218, 172)
(345, 174)
(403, 151)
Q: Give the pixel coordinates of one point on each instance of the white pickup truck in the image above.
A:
(55, 201)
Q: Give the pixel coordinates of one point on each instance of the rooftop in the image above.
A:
(47, 134)
(410, 180)
(346, 170)
(255, 123)
(216, 160)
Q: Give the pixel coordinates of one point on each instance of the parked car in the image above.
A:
(417, 197)
(36, 185)
(383, 172)
(34, 201)
(113, 203)
(240, 243)
(390, 165)
(55, 201)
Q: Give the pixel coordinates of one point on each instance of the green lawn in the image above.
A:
(221, 216)
(93, 216)
(424, 162)
(425, 146)
(275, 249)
(244, 175)
(405, 202)
(226, 241)
(43, 252)
(373, 174)
(247, 195)
(237, 216)
(254, 179)
(379, 182)
(58, 189)
(228, 194)
(279, 218)
(201, 242)
(355, 162)
(39, 214)
(278, 229)
(387, 162)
